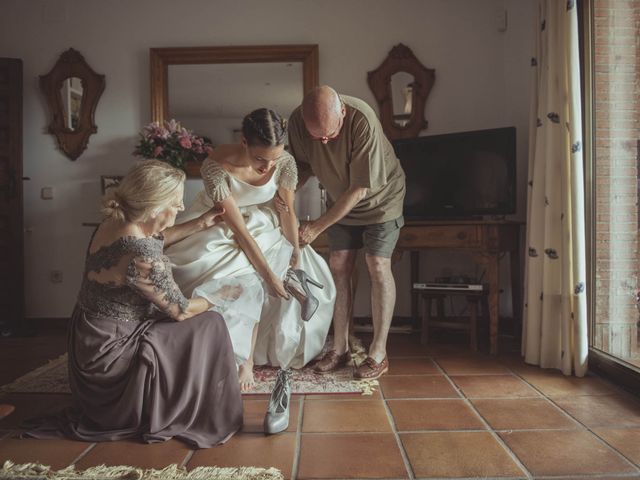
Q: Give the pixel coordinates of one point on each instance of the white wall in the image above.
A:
(482, 81)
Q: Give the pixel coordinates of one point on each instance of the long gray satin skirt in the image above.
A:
(155, 380)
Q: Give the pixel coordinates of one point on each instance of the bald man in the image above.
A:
(339, 139)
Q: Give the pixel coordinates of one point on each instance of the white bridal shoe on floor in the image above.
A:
(276, 419)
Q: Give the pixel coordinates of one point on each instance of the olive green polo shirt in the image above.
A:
(360, 156)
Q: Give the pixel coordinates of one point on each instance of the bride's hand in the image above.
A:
(275, 287)
(211, 217)
(280, 204)
(295, 258)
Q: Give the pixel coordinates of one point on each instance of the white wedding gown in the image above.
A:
(206, 262)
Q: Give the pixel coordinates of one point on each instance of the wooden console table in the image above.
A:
(485, 240)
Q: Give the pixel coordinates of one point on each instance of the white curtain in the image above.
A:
(555, 308)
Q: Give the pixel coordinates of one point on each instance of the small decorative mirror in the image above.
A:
(401, 85)
(72, 90)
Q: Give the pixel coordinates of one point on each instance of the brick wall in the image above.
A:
(617, 123)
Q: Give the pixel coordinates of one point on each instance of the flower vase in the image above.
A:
(192, 168)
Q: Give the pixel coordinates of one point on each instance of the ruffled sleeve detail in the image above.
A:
(216, 180)
(287, 173)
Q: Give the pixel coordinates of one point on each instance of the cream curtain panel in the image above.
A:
(555, 308)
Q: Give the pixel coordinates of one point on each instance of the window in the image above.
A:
(615, 126)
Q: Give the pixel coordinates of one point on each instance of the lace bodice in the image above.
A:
(129, 279)
(220, 184)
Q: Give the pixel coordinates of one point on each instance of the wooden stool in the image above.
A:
(473, 297)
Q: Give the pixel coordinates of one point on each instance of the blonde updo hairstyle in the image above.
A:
(145, 191)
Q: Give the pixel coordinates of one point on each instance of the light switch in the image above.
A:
(46, 193)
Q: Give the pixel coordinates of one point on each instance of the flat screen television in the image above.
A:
(459, 175)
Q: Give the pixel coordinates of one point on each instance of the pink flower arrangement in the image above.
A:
(172, 143)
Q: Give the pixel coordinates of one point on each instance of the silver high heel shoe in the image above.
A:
(297, 284)
(276, 419)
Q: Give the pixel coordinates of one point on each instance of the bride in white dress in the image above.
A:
(240, 264)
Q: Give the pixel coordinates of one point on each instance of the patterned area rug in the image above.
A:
(52, 378)
(35, 471)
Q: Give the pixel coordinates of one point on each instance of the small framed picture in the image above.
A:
(109, 181)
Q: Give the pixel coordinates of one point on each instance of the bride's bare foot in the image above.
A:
(245, 375)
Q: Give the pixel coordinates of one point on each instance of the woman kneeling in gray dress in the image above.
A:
(144, 361)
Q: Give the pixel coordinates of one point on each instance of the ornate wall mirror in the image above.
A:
(72, 90)
(213, 99)
(210, 89)
(401, 85)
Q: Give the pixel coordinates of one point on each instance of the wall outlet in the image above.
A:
(56, 276)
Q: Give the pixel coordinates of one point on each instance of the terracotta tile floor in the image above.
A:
(441, 412)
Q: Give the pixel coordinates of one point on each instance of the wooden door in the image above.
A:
(11, 223)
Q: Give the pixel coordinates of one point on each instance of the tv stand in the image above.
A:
(485, 240)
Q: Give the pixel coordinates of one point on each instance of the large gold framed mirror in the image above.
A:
(72, 90)
(401, 85)
(210, 89)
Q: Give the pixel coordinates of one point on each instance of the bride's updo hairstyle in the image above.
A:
(264, 127)
(145, 191)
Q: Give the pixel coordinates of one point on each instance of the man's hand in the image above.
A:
(210, 217)
(307, 233)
